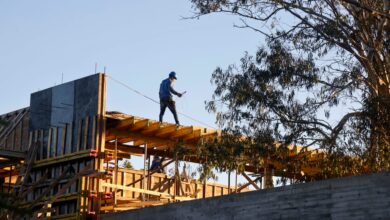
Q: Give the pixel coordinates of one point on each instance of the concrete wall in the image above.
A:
(65, 103)
(361, 197)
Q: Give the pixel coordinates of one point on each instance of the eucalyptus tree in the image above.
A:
(322, 81)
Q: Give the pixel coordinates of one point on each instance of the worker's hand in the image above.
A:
(181, 94)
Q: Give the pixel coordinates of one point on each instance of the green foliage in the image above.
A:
(322, 82)
(127, 165)
(206, 173)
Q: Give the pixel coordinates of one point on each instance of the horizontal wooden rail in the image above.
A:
(149, 192)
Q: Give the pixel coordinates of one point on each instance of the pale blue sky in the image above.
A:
(139, 42)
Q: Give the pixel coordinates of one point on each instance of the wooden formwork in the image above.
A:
(48, 148)
(58, 163)
(64, 164)
(53, 188)
(60, 156)
(14, 135)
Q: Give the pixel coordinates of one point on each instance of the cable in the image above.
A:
(157, 102)
(131, 89)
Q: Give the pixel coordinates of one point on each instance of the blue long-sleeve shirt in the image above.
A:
(166, 89)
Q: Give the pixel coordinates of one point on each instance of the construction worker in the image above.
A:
(166, 100)
(156, 164)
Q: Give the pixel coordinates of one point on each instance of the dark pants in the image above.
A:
(168, 102)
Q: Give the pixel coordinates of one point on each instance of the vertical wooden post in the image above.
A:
(205, 183)
(21, 134)
(55, 141)
(229, 182)
(79, 133)
(176, 181)
(264, 180)
(84, 145)
(70, 135)
(267, 179)
(148, 185)
(13, 140)
(144, 182)
(9, 181)
(48, 144)
(63, 139)
(204, 187)
(123, 194)
(149, 178)
(116, 170)
(93, 133)
(100, 139)
(41, 145)
(235, 187)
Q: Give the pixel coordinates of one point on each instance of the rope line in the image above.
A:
(155, 101)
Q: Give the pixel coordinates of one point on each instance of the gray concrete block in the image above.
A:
(86, 92)
(63, 104)
(40, 109)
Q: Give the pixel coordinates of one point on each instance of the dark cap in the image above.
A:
(172, 75)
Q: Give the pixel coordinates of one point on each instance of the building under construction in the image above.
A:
(59, 157)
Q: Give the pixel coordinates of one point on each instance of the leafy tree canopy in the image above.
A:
(322, 81)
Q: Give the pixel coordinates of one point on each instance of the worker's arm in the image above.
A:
(173, 91)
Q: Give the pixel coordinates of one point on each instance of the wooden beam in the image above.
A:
(182, 132)
(30, 159)
(85, 171)
(139, 125)
(139, 142)
(133, 150)
(53, 184)
(125, 123)
(12, 154)
(34, 185)
(143, 203)
(166, 130)
(64, 158)
(250, 181)
(129, 188)
(152, 127)
(194, 135)
(158, 185)
(15, 123)
(246, 185)
(151, 173)
(128, 136)
(149, 192)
